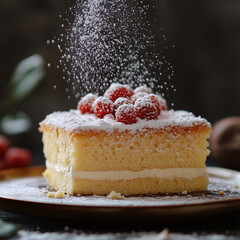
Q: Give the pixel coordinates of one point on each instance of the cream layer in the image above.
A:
(169, 173)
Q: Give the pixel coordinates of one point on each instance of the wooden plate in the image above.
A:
(24, 191)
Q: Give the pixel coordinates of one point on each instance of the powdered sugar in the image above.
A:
(120, 101)
(90, 97)
(77, 122)
(103, 100)
(126, 114)
(143, 89)
(138, 95)
(85, 105)
(117, 90)
(110, 41)
(102, 106)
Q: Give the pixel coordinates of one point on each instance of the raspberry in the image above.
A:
(17, 157)
(138, 95)
(102, 106)
(85, 105)
(126, 114)
(120, 101)
(4, 145)
(163, 102)
(155, 101)
(117, 90)
(145, 108)
(143, 89)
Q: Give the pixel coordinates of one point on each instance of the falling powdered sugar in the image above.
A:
(110, 41)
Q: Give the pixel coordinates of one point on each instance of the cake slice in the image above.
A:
(86, 154)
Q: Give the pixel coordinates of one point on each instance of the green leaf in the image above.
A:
(8, 230)
(26, 77)
(16, 123)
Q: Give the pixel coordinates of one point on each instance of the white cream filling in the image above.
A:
(169, 173)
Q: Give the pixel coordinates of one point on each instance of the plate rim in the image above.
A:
(104, 213)
(40, 169)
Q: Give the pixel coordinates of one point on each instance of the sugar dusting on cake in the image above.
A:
(73, 120)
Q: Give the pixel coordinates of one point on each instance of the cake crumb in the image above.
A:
(51, 195)
(45, 191)
(185, 192)
(59, 194)
(115, 196)
(170, 197)
(235, 186)
(221, 192)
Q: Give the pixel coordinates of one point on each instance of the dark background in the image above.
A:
(205, 56)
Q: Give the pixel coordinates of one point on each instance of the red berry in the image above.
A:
(102, 106)
(126, 114)
(117, 90)
(17, 157)
(145, 109)
(85, 105)
(4, 145)
(138, 95)
(143, 89)
(155, 101)
(120, 101)
(163, 102)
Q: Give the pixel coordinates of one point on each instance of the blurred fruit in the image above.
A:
(1, 164)
(4, 146)
(225, 142)
(17, 157)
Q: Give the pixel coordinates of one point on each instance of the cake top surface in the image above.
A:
(75, 121)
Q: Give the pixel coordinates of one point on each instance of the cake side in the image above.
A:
(187, 147)
(148, 160)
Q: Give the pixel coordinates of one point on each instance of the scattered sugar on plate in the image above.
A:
(31, 189)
